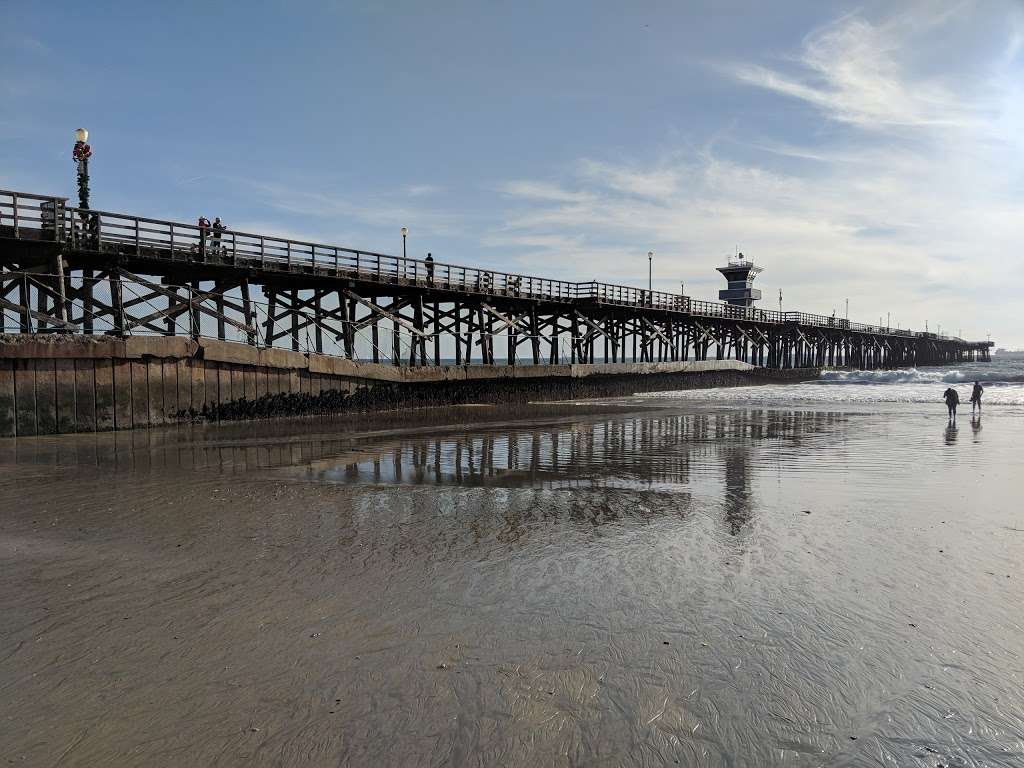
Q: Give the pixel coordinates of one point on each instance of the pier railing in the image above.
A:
(27, 216)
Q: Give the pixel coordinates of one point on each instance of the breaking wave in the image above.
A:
(917, 376)
(1003, 381)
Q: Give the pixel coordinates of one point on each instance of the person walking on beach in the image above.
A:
(952, 401)
(976, 397)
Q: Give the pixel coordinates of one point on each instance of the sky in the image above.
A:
(868, 152)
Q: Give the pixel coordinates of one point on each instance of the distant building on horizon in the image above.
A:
(740, 272)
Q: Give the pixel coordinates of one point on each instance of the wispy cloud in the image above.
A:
(911, 209)
(375, 210)
(423, 190)
(542, 191)
(859, 72)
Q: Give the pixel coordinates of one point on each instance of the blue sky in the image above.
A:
(871, 152)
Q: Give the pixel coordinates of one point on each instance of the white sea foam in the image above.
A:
(925, 376)
(1003, 382)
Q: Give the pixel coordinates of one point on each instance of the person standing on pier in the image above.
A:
(429, 261)
(218, 228)
(976, 397)
(952, 401)
(204, 226)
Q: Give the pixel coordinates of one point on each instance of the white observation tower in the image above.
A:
(740, 273)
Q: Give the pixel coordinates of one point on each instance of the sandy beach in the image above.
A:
(645, 582)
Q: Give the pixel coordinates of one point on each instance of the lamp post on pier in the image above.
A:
(405, 231)
(81, 154)
(650, 271)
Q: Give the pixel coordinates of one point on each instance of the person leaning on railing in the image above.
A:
(204, 226)
(94, 230)
(218, 229)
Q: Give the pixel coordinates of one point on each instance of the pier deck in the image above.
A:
(86, 271)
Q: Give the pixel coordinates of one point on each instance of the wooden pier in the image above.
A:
(83, 271)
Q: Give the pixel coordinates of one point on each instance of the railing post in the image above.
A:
(172, 242)
(288, 251)
(263, 252)
(137, 245)
(117, 302)
(14, 206)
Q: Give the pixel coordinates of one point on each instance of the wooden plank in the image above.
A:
(237, 383)
(170, 381)
(8, 409)
(25, 396)
(249, 379)
(223, 383)
(198, 372)
(293, 381)
(104, 377)
(46, 397)
(67, 409)
(85, 395)
(140, 393)
(155, 393)
(212, 383)
(122, 394)
(184, 384)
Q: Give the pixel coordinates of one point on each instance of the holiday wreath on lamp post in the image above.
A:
(81, 154)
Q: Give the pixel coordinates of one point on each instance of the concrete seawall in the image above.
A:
(54, 384)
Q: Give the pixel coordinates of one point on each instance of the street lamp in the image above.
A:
(405, 231)
(650, 271)
(780, 301)
(81, 154)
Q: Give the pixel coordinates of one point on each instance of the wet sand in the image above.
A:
(644, 583)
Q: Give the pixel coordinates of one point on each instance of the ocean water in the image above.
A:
(824, 574)
(1003, 380)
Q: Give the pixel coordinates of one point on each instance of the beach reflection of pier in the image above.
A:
(714, 454)
(661, 450)
(656, 448)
